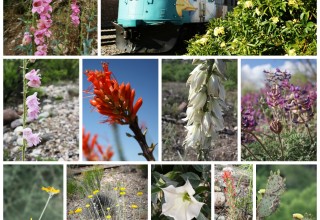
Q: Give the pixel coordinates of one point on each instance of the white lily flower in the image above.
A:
(198, 100)
(180, 203)
(213, 86)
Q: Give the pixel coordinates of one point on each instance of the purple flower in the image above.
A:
(248, 121)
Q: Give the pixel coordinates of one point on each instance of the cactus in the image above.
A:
(271, 198)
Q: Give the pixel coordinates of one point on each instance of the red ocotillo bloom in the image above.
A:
(88, 148)
(111, 99)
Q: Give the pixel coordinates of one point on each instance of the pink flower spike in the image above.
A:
(32, 139)
(34, 78)
(33, 106)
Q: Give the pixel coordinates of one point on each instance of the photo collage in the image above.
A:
(126, 109)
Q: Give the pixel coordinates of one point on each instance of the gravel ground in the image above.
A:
(133, 178)
(58, 126)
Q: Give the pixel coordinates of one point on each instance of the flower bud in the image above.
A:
(276, 126)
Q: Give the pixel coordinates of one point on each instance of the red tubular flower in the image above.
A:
(111, 99)
(88, 148)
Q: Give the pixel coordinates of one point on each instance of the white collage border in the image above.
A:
(80, 58)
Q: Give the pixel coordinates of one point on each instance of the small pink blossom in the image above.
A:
(34, 78)
(32, 139)
(41, 50)
(75, 13)
(33, 106)
(26, 39)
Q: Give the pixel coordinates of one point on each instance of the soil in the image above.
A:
(174, 99)
(133, 178)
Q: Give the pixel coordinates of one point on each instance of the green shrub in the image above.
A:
(261, 27)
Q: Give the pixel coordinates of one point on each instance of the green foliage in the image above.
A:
(301, 188)
(23, 197)
(52, 71)
(264, 27)
(176, 175)
(92, 179)
(297, 147)
(178, 71)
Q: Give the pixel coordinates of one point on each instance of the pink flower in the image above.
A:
(26, 39)
(75, 13)
(33, 106)
(32, 139)
(34, 78)
(41, 50)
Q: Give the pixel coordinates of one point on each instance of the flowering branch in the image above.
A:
(117, 103)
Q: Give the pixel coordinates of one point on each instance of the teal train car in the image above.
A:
(158, 26)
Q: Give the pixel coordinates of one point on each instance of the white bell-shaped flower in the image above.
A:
(180, 203)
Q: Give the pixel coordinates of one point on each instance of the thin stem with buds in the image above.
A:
(262, 145)
(252, 154)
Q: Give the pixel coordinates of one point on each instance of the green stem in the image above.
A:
(252, 154)
(45, 206)
(66, 32)
(24, 116)
(281, 147)
(307, 126)
(262, 145)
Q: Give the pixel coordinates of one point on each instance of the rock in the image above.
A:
(217, 189)
(9, 115)
(47, 108)
(16, 123)
(221, 217)
(44, 115)
(219, 199)
(18, 130)
(20, 141)
(36, 152)
(46, 101)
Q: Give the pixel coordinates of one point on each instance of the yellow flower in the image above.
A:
(122, 193)
(115, 188)
(248, 4)
(90, 196)
(134, 206)
(274, 20)
(87, 205)
(50, 190)
(294, 21)
(202, 41)
(123, 189)
(108, 217)
(297, 216)
(108, 208)
(218, 30)
(95, 192)
(71, 212)
(78, 210)
(293, 3)
(292, 52)
(139, 193)
(257, 11)
(262, 191)
(223, 44)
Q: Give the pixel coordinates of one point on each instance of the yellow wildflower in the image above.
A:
(71, 212)
(117, 205)
(223, 44)
(78, 210)
(202, 41)
(90, 196)
(262, 191)
(248, 4)
(134, 206)
(115, 188)
(218, 30)
(257, 11)
(95, 192)
(108, 208)
(274, 20)
(122, 193)
(293, 3)
(292, 52)
(87, 205)
(50, 190)
(108, 217)
(139, 193)
(297, 216)
(123, 189)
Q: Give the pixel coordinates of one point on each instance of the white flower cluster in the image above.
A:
(206, 99)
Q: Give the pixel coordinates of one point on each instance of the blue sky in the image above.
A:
(252, 69)
(142, 74)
